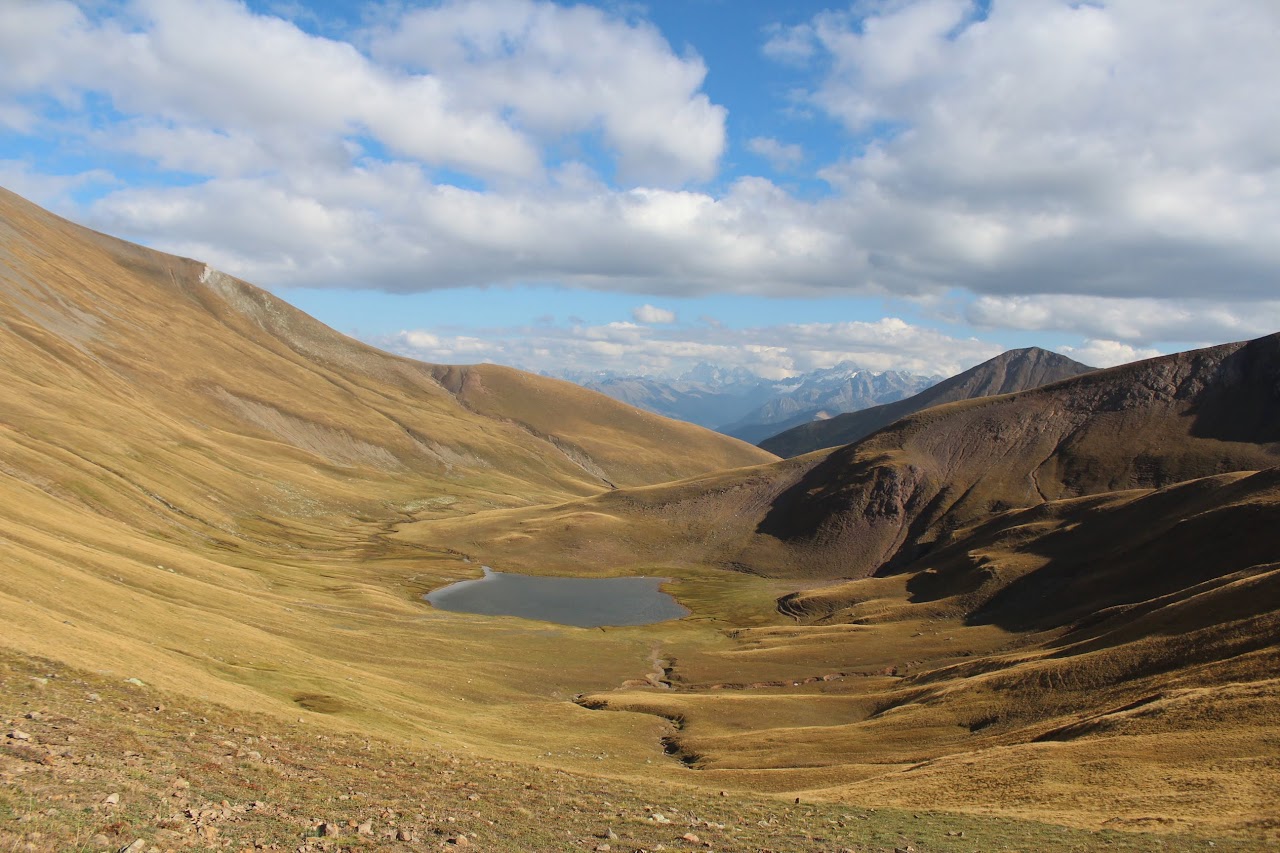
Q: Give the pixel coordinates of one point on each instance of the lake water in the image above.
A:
(584, 602)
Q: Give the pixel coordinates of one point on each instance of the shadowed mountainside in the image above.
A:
(1015, 370)
(1131, 633)
(886, 500)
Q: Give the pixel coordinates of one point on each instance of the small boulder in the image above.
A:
(365, 828)
(112, 800)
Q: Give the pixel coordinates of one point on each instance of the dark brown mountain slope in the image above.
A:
(1087, 654)
(882, 502)
(1015, 370)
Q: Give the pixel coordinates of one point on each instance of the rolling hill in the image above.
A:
(1015, 370)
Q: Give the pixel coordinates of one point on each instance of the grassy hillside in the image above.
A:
(1108, 660)
(125, 355)
(1104, 633)
(1007, 373)
(197, 482)
(207, 492)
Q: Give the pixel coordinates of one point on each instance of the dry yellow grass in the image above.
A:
(210, 492)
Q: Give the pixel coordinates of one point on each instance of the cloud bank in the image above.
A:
(1094, 168)
(774, 352)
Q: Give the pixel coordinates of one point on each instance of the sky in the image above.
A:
(639, 187)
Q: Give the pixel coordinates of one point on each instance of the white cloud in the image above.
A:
(1050, 154)
(1124, 149)
(387, 225)
(17, 176)
(650, 314)
(1102, 353)
(478, 86)
(774, 352)
(1136, 321)
(566, 69)
(791, 45)
(781, 155)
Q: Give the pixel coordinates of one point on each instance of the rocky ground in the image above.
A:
(90, 763)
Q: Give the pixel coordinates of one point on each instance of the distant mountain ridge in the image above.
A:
(1015, 370)
(825, 394)
(736, 402)
(876, 504)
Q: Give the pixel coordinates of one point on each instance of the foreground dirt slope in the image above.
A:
(1007, 373)
(878, 504)
(104, 765)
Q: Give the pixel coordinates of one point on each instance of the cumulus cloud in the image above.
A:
(1102, 353)
(563, 70)
(650, 314)
(1122, 149)
(1020, 153)
(1136, 321)
(388, 225)
(473, 86)
(781, 155)
(773, 352)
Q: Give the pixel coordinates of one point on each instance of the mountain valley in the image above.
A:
(1039, 609)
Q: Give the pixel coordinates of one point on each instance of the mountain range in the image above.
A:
(1015, 370)
(739, 403)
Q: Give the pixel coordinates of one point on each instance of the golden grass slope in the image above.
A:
(210, 492)
(122, 354)
(196, 482)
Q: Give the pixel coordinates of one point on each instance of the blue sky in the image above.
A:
(907, 184)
